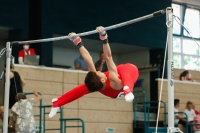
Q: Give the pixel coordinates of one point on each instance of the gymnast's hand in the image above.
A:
(101, 30)
(102, 33)
(74, 38)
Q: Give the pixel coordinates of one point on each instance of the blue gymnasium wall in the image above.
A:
(14, 14)
(78, 16)
(36, 19)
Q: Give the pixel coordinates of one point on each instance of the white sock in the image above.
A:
(128, 97)
(54, 110)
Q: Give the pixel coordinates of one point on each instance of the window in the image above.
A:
(190, 47)
(177, 60)
(190, 62)
(191, 22)
(177, 12)
(186, 53)
(176, 44)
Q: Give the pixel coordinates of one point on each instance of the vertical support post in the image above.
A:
(40, 130)
(65, 130)
(44, 120)
(7, 88)
(61, 122)
(170, 68)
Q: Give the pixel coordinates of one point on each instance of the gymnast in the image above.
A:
(116, 82)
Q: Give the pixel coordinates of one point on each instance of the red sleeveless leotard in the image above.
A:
(109, 91)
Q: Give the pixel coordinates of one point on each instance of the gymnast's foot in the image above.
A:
(128, 94)
(54, 110)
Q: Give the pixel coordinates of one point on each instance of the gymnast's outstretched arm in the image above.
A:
(127, 79)
(108, 55)
(84, 53)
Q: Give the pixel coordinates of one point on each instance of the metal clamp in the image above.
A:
(173, 130)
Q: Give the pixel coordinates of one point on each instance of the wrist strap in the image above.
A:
(79, 45)
(77, 40)
(105, 41)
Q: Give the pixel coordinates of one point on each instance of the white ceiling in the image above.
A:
(96, 45)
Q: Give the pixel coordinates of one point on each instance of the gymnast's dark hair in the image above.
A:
(183, 74)
(93, 82)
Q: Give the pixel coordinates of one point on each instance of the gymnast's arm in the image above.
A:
(84, 53)
(110, 63)
(87, 58)
(108, 55)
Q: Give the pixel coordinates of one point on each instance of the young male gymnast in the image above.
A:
(114, 83)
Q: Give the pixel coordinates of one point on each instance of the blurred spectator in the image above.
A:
(176, 106)
(80, 64)
(11, 127)
(196, 111)
(196, 128)
(25, 51)
(185, 75)
(190, 114)
(100, 65)
(23, 114)
(16, 84)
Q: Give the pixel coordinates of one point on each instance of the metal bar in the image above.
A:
(44, 121)
(61, 116)
(73, 126)
(52, 129)
(170, 68)
(155, 14)
(7, 88)
(65, 127)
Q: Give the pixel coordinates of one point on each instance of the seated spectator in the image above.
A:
(16, 84)
(25, 51)
(196, 111)
(196, 128)
(190, 114)
(80, 64)
(185, 76)
(176, 106)
(100, 65)
(11, 127)
(23, 114)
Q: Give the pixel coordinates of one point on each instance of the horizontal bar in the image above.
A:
(155, 14)
(44, 106)
(30, 93)
(49, 112)
(70, 119)
(73, 126)
(53, 129)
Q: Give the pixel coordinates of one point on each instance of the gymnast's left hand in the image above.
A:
(101, 30)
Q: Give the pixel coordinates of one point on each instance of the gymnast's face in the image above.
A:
(102, 76)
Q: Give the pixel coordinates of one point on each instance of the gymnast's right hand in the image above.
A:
(102, 33)
(74, 38)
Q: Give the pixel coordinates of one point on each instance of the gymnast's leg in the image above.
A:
(129, 74)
